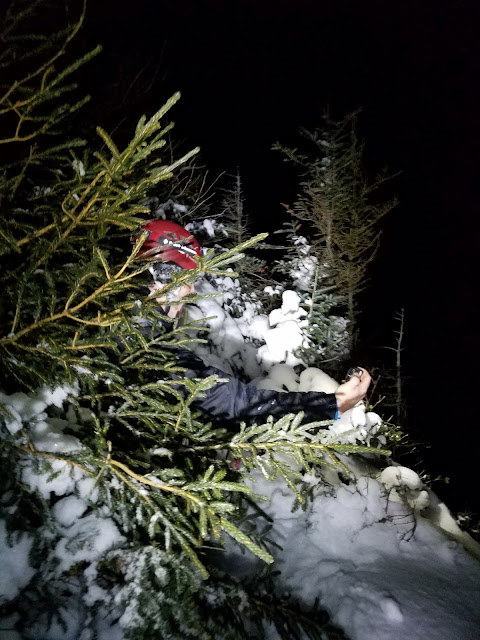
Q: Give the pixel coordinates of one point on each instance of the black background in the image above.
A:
(252, 71)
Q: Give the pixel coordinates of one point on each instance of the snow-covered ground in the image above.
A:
(381, 569)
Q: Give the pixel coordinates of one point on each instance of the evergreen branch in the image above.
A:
(189, 497)
(117, 468)
(44, 454)
(42, 69)
(109, 142)
(40, 232)
(190, 553)
(243, 539)
(208, 510)
(286, 436)
(43, 95)
(285, 446)
(233, 255)
(166, 172)
(203, 385)
(69, 313)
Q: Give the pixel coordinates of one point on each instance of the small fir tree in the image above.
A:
(235, 224)
(337, 203)
(325, 331)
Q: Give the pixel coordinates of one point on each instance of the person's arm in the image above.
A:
(235, 400)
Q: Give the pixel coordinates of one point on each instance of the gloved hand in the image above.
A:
(352, 391)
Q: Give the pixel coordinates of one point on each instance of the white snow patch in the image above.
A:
(16, 571)
(68, 510)
(87, 539)
(87, 490)
(381, 571)
(61, 480)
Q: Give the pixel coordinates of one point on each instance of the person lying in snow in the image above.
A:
(176, 249)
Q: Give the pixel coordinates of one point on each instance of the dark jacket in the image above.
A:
(234, 400)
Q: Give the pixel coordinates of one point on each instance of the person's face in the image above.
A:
(175, 295)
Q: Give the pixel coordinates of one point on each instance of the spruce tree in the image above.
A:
(338, 204)
(235, 221)
(122, 488)
(325, 330)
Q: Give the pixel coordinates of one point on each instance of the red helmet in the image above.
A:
(171, 242)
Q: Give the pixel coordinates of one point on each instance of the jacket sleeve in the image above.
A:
(234, 399)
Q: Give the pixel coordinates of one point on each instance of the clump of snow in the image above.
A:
(58, 395)
(26, 408)
(60, 480)
(301, 266)
(404, 485)
(78, 167)
(87, 539)
(87, 489)
(47, 436)
(281, 344)
(284, 376)
(68, 510)
(209, 227)
(255, 327)
(272, 291)
(16, 571)
(12, 420)
(286, 335)
(358, 416)
(356, 426)
(314, 379)
(290, 309)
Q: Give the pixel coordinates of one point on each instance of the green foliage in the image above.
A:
(38, 96)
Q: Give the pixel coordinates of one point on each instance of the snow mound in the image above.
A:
(379, 568)
(284, 378)
(86, 540)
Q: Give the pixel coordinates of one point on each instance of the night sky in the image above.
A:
(251, 72)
